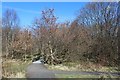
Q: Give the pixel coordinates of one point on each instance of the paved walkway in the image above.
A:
(38, 70)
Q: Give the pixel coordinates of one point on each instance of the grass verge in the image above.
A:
(14, 68)
(83, 76)
(86, 66)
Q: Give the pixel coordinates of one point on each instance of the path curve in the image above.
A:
(36, 70)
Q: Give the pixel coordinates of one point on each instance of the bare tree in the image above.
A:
(101, 18)
(45, 29)
(23, 45)
(118, 31)
(10, 26)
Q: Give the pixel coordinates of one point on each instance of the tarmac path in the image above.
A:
(39, 70)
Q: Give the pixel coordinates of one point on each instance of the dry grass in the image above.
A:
(86, 66)
(85, 76)
(14, 68)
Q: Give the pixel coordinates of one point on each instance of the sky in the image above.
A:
(27, 11)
